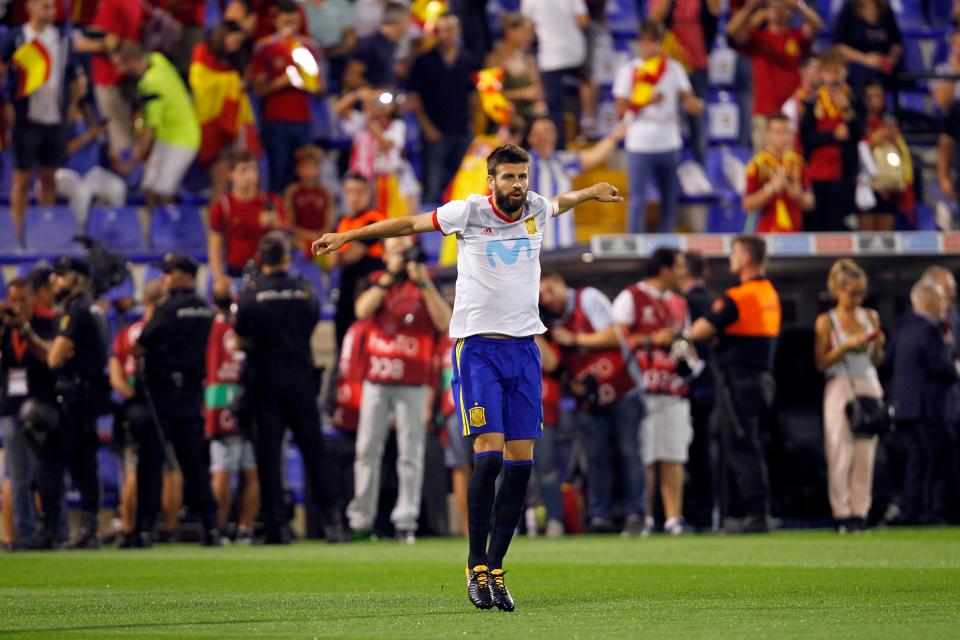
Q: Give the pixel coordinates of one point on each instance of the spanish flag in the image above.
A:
(305, 71)
(489, 83)
(470, 178)
(31, 61)
(645, 78)
(222, 107)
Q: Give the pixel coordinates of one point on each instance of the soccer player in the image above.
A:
(496, 376)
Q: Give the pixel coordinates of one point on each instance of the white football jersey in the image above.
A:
(498, 265)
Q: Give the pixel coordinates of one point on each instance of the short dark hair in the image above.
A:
(552, 275)
(243, 156)
(696, 264)
(777, 117)
(39, 277)
(650, 30)
(661, 258)
(833, 57)
(505, 154)
(287, 6)
(274, 248)
(394, 11)
(755, 247)
(356, 176)
(18, 283)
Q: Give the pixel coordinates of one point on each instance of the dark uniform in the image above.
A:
(747, 319)
(174, 344)
(699, 497)
(275, 319)
(81, 392)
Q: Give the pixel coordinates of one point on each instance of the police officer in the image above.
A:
(77, 355)
(275, 319)
(173, 345)
(746, 323)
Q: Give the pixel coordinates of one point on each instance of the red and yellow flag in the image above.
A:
(223, 107)
(426, 12)
(31, 62)
(645, 79)
(489, 83)
(305, 71)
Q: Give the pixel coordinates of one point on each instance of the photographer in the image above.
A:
(25, 380)
(654, 316)
(77, 355)
(609, 410)
(408, 314)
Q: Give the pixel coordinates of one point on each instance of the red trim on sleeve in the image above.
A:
(436, 222)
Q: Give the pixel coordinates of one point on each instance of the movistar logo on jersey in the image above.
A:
(509, 255)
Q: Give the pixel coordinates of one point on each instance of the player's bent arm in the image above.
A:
(393, 228)
(701, 330)
(601, 191)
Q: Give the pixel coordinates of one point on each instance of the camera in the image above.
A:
(108, 268)
(414, 254)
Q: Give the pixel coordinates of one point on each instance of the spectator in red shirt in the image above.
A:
(285, 73)
(776, 50)
(307, 201)
(777, 185)
(239, 219)
(115, 21)
(830, 130)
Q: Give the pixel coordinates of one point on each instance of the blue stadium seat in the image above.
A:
(924, 218)
(913, 55)
(178, 228)
(713, 166)
(622, 17)
(8, 240)
(941, 51)
(914, 101)
(6, 174)
(117, 227)
(726, 216)
(310, 271)
(50, 228)
(432, 243)
(123, 291)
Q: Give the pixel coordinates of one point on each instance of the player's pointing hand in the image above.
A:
(327, 243)
(605, 192)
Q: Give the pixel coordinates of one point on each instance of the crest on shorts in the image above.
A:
(531, 226)
(478, 417)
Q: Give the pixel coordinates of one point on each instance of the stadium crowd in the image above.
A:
(303, 117)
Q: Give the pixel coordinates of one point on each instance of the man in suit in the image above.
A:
(924, 373)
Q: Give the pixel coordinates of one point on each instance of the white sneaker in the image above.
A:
(530, 517)
(554, 529)
(406, 537)
(648, 526)
(675, 526)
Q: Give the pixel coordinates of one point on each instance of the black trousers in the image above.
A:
(834, 202)
(699, 497)
(72, 447)
(282, 401)
(929, 491)
(742, 412)
(182, 424)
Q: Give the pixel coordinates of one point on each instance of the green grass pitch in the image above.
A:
(884, 584)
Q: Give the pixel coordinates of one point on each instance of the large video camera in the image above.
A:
(108, 268)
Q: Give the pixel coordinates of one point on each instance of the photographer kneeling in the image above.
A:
(408, 314)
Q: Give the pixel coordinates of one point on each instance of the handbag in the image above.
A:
(866, 415)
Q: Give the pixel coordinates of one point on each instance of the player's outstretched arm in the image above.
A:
(601, 191)
(393, 228)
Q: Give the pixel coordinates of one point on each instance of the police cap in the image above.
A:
(178, 261)
(74, 264)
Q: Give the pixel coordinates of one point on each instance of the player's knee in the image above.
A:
(488, 442)
(519, 450)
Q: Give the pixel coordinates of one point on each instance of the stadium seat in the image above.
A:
(117, 227)
(123, 291)
(431, 243)
(6, 175)
(914, 101)
(152, 273)
(8, 240)
(913, 59)
(713, 166)
(310, 271)
(726, 216)
(178, 228)
(828, 10)
(50, 228)
(723, 118)
(622, 17)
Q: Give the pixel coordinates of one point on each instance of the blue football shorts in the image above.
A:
(496, 387)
